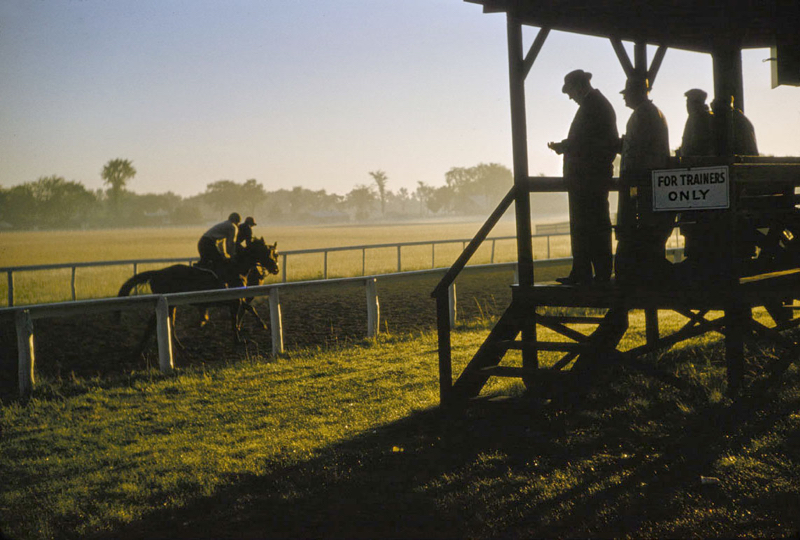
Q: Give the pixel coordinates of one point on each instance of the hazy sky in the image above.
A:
(313, 93)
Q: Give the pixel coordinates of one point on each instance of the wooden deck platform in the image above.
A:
(724, 308)
(752, 291)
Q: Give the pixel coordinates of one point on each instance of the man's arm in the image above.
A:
(230, 240)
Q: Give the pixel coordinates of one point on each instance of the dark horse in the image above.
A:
(248, 261)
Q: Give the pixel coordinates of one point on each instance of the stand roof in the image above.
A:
(695, 25)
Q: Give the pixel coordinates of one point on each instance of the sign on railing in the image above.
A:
(701, 188)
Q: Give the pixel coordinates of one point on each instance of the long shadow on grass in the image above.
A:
(627, 460)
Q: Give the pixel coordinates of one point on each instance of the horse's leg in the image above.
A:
(172, 311)
(250, 309)
(148, 332)
(236, 314)
(203, 320)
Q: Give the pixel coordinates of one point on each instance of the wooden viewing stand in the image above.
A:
(762, 206)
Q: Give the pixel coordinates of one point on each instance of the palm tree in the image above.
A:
(116, 174)
(380, 180)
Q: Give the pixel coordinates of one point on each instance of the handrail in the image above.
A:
(470, 250)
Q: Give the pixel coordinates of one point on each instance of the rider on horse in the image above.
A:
(219, 242)
(245, 234)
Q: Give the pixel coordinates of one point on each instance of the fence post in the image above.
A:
(548, 246)
(363, 261)
(10, 288)
(433, 255)
(285, 256)
(373, 307)
(325, 265)
(164, 335)
(399, 265)
(451, 296)
(275, 321)
(24, 325)
(492, 258)
(72, 284)
(135, 268)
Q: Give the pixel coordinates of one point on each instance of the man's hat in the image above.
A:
(575, 77)
(636, 83)
(695, 94)
(249, 220)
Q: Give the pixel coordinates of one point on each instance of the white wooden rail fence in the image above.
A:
(24, 316)
(11, 270)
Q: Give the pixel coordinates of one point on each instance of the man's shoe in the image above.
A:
(569, 280)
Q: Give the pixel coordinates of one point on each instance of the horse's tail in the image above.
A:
(128, 286)
(138, 279)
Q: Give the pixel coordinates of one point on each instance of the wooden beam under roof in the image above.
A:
(682, 24)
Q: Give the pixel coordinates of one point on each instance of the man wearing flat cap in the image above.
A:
(641, 233)
(589, 151)
(698, 138)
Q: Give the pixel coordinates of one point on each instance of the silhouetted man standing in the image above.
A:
(698, 134)
(641, 233)
(589, 151)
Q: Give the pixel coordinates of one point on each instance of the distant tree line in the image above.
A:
(53, 202)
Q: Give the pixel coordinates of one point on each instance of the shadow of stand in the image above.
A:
(503, 468)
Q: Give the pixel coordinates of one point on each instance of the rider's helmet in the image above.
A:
(235, 218)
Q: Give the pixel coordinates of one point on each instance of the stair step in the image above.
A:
(543, 374)
(508, 371)
(570, 319)
(541, 346)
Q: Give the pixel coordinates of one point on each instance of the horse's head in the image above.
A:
(265, 255)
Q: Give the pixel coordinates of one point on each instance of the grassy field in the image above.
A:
(53, 247)
(346, 442)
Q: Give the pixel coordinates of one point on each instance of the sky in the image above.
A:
(309, 93)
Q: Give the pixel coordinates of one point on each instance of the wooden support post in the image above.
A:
(363, 261)
(72, 285)
(445, 362)
(433, 255)
(451, 295)
(325, 266)
(530, 354)
(285, 257)
(651, 325)
(164, 335)
(10, 288)
(276, 321)
(726, 61)
(519, 140)
(24, 325)
(135, 268)
(373, 308)
(491, 260)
